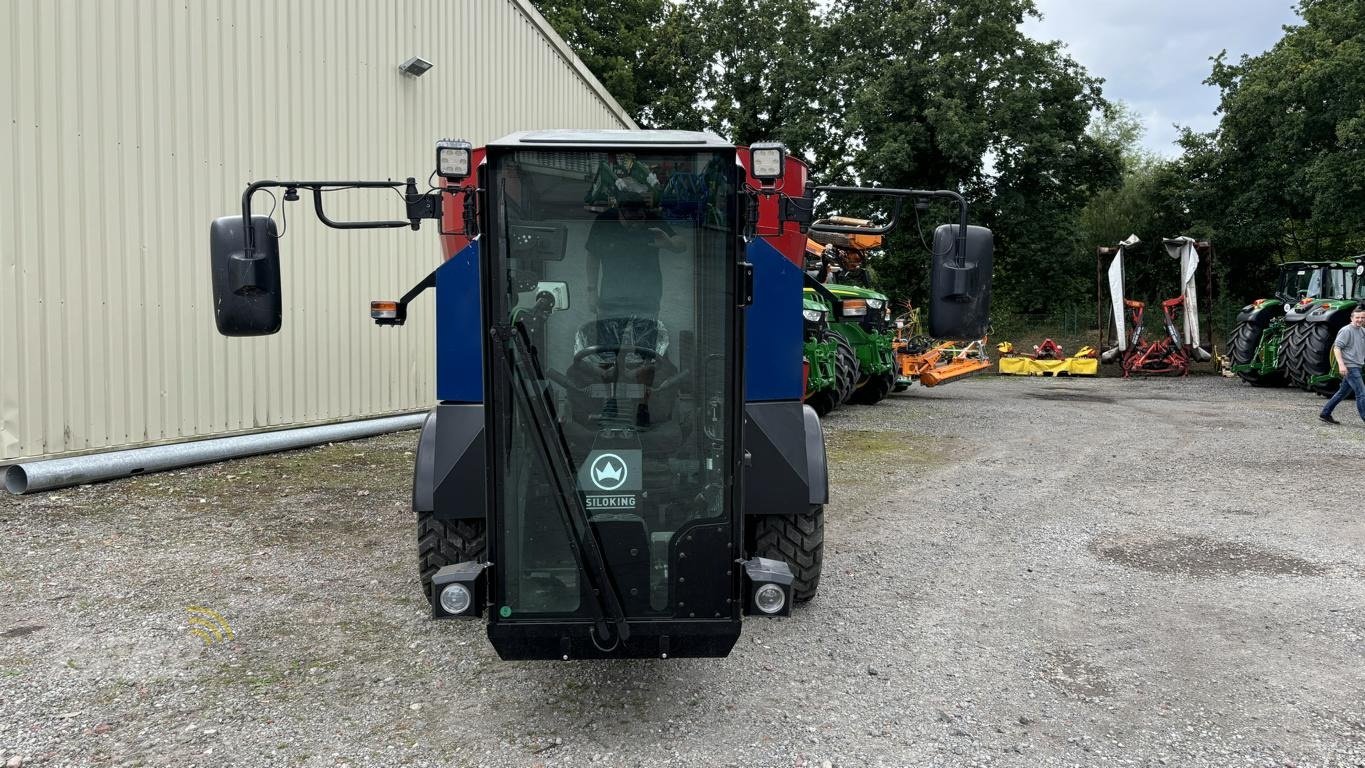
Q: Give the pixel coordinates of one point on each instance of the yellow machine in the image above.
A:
(1048, 359)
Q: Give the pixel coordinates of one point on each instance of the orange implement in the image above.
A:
(853, 242)
(955, 369)
(917, 365)
(944, 363)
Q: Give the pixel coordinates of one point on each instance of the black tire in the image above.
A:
(1242, 346)
(875, 389)
(443, 542)
(822, 402)
(1317, 352)
(846, 367)
(797, 540)
(1293, 352)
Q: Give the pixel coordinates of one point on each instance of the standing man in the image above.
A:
(1350, 347)
(624, 275)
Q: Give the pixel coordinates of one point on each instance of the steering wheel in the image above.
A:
(582, 375)
(597, 349)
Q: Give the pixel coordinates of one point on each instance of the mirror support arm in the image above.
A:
(899, 195)
(418, 206)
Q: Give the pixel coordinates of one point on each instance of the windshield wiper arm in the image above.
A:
(554, 457)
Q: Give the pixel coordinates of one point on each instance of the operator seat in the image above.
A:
(621, 373)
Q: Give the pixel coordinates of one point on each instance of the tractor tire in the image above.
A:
(846, 367)
(1242, 346)
(875, 389)
(1293, 351)
(1317, 352)
(444, 542)
(823, 402)
(797, 540)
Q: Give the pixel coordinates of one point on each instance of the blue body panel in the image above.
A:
(772, 327)
(459, 329)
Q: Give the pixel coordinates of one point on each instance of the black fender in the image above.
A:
(817, 465)
(785, 468)
(1292, 315)
(1261, 314)
(449, 470)
(423, 467)
(1337, 313)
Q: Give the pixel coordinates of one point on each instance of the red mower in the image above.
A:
(1172, 354)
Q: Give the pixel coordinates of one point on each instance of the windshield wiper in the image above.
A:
(553, 453)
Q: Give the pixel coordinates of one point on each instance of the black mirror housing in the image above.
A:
(246, 292)
(961, 283)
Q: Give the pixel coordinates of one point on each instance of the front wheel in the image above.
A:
(799, 541)
(1243, 345)
(1294, 354)
(1317, 355)
(875, 389)
(822, 402)
(845, 366)
(446, 542)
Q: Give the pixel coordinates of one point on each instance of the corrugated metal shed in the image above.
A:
(128, 126)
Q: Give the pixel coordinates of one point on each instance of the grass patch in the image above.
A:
(871, 456)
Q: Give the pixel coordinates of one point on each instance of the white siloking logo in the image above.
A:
(608, 472)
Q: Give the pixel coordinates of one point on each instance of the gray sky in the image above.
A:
(1154, 54)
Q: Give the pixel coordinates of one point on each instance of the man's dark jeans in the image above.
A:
(1350, 383)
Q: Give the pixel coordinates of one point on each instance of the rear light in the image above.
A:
(384, 312)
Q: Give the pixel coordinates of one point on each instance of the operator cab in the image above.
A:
(624, 378)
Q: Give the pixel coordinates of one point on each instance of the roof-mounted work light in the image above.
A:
(767, 160)
(452, 158)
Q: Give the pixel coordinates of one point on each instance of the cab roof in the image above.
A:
(648, 140)
(1315, 264)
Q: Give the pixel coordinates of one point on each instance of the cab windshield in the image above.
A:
(1318, 282)
(618, 281)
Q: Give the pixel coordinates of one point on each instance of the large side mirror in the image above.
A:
(246, 292)
(961, 283)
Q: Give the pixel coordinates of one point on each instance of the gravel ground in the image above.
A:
(1018, 572)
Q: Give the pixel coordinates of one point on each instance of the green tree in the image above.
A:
(952, 94)
(644, 52)
(764, 73)
(1283, 176)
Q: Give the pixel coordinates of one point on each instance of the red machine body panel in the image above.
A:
(452, 210)
(789, 240)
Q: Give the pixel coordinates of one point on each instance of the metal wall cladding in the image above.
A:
(128, 126)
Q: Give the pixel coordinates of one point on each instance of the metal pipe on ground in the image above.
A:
(30, 477)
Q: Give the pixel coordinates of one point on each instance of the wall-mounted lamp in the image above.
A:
(415, 67)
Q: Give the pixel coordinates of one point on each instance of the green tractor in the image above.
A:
(823, 361)
(860, 321)
(837, 278)
(1311, 327)
(1257, 346)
